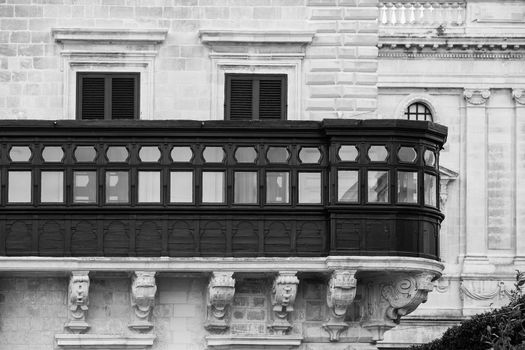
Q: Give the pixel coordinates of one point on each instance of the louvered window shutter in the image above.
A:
(241, 99)
(92, 98)
(123, 98)
(271, 99)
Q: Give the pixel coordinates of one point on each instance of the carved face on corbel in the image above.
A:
(284, 292)
(341, 292)
(220, 293)
(143, 290)
(79, 292)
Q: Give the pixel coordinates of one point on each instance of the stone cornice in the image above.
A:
(215, 37)
(101, 35)
(101, 341)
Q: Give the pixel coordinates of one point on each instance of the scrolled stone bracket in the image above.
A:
(519, 96)
(78, 302)
(284, 292)
(143, 290)
(221, 290)
(339, 295)
(476, 97)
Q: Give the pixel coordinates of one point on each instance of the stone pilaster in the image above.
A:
(519, 107)
(143, 290)
(221, 290)
(284, 292)
(339, 295)
(78, 301)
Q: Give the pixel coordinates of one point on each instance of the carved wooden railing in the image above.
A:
(422, 13)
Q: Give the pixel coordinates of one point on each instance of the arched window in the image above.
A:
(418, 111)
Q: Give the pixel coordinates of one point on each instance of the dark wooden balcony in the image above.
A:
(220, 188)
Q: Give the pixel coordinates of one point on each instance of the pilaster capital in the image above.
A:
(476, 96)
(284, 291)
(519, 96)
(143, 290)
(78, 301)
(221, 290)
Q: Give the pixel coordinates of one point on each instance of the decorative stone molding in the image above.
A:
(339, 295)
(221, 290)
(104, 342)
(476, 97)
(78, 301)
(143, 290)
(519, 96)
(446, 176)
(284, 292)
(244, 342)
(107, 35)
(476, 292)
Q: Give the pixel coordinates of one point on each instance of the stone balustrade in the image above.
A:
(422, 13)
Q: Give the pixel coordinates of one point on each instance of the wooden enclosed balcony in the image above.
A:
(220, 188)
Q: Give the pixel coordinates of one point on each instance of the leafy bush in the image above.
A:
(500, 329)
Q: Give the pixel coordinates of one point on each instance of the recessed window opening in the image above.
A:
(418, 111)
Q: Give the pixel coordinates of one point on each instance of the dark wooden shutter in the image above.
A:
(271, 99)
(123, 102)
(92, 98)
(240, 99)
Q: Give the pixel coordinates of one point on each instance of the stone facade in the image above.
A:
(344, 59)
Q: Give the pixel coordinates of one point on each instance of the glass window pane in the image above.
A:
(181, 187)
(310, 155)
(213, 187)
(19, 187)
(406, 187)
(277, 187)
(309, 187)
(84, 187)
(430, 158)
(348, 153)
(213, 154)
(117, 154)
(52, 187)
(348, 186)
(377, 153)
(277, 155)
(245, 155)
(245, 187)
(430, 190)
(149, 154)
(378, 187)
(85, 154)
(149, 186)
(52, 154)
(117, 187)
(181, 154)
(407, 154)
(20, 154)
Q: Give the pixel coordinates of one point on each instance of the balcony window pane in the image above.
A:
(52, 187)
(348, 186)
(378, 187)
(149, 186)
(277, 155)
(52, 154)
(310, 188)
(245, 187)
(181, 154)
(407, 154)
(245, 155)
(149, 154)
(85, 154)
(277, 187)
(406, 187)
(213, 154)
(181, 187)
(430, 190)
(20, 154)
(84, 187)
(348, 153)
(310, 155)
(213, 187)
(117, 187)
(430, 158)
(377, 153)
(117, 154)
(19, 187)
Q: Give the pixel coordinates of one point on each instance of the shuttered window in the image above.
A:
(255, 96)
(107, 96)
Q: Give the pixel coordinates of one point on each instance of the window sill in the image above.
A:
(247, 342)
(98, 341)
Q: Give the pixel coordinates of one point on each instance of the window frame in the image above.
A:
(108, 76)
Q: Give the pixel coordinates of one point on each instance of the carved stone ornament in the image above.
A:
(143, 290)
(221, 290)
(78, 301)
(339, 295)
(476, 97)
(284, 292)
(519, 96)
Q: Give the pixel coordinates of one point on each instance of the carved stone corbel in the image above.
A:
(284, 292)
(339, 295)
(143, 290)
(476, 97)
(221, 290)
(78, 301)
(519, 96)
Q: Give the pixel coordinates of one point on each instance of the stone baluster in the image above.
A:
(411, 14)
(284, 292)
(78, 301)
(339, 295)
(383, 14)
(221, 290)
(391, 13)
(143, 290)
(401, 16)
